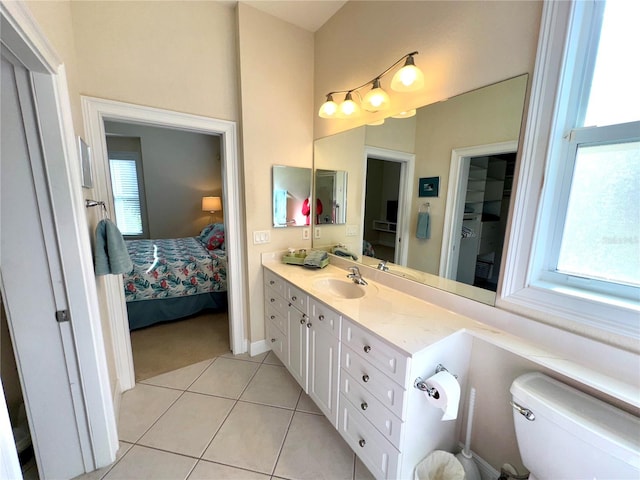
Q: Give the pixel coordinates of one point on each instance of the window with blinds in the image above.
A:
(126, 186)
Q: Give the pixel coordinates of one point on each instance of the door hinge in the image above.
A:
(62, 316)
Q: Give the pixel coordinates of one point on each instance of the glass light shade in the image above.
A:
(328, 108)
(211, 204)
(376, 123)
(348, 108)
(409, 78)
(376, 99)
(405, 114)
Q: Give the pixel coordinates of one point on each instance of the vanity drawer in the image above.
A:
(325, 318)
(381, 355)
(364, 402)
(388, 392)
(277, 341)
(379, 456)
(278, 318)
(275, 282)
(273, 299)
(297, 298)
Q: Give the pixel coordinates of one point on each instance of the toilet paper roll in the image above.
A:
(447, 397)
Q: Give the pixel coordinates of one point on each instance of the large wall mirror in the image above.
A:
(429, 195)
(291, 196)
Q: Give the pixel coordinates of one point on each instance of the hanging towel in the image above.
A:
(111, 255)
(423, 230)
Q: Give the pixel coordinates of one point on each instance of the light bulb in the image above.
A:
(328, 108)
(409, 78)
(348, 108)
(376, 99)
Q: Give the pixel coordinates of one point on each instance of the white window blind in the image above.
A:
(126, 196)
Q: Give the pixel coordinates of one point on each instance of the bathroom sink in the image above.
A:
(342, 288)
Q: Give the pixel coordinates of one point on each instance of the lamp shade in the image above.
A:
(348, 108)
(211, 204)
(409, 78)
(376, 99)
(328, 108)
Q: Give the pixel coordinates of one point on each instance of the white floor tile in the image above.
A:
(362, 472)
(147, 463)
(305, 404)
(245, 356)
(189, 425)
(273, 385)
(251, 437)
(141, 407)
(208, 470)
(271, 359)
(314, 450)
(101, 472)
(181, 378)
(225, 377)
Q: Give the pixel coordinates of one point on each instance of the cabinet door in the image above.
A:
(298, 342)
(323, 371)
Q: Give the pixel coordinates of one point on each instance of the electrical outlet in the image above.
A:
(316, 232)
(261, 236)
(306, 233)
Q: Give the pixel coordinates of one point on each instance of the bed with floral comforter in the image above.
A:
(175, 278)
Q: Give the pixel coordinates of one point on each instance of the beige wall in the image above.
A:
(276, 70)
(463, 45)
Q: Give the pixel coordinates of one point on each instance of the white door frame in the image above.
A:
(96, 423)
(456, 194)
(407, 163)
(95, 112)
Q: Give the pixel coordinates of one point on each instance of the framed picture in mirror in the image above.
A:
(429, 187)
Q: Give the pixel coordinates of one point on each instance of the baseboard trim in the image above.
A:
(487, 472)
(256, 348)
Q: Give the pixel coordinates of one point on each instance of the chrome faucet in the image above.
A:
(383, 266)
(356, 276)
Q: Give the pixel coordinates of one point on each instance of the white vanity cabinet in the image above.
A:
(373, 379)
(305, 335)
(324, 358)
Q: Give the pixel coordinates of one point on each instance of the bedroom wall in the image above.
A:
(179, 168)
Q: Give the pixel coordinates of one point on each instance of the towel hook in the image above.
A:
(426, 206)
(88, 203)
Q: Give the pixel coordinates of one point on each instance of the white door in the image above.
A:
(32, 284)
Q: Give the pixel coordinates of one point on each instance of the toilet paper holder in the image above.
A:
(421, 384)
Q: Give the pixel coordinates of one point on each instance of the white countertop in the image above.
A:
(412, 324)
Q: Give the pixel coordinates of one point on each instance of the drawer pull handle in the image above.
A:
(273, 300)
(365, 378)
(271, 282)
(364, 405)
(294, 298)
(321, 317)
(309, 325)
(367, 349)
(303, 321)
(362, 442)
(273, 340)
(273, 317)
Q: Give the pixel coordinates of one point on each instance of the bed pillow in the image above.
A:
(212, 236)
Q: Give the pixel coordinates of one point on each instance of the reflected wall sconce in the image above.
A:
(211, 204)
(409, 78)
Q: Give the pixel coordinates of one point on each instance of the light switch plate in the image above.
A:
(261, 236)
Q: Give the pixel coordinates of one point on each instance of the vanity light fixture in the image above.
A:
(405, 114)
(408, 79)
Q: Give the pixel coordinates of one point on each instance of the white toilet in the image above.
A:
(565, 434)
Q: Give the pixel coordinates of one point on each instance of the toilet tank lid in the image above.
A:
(565, 406)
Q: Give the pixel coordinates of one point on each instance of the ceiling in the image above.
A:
(307, 14)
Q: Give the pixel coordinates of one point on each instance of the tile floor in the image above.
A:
(227, 418)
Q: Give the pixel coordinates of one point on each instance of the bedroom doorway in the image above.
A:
(96, 113)
(146, 162)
